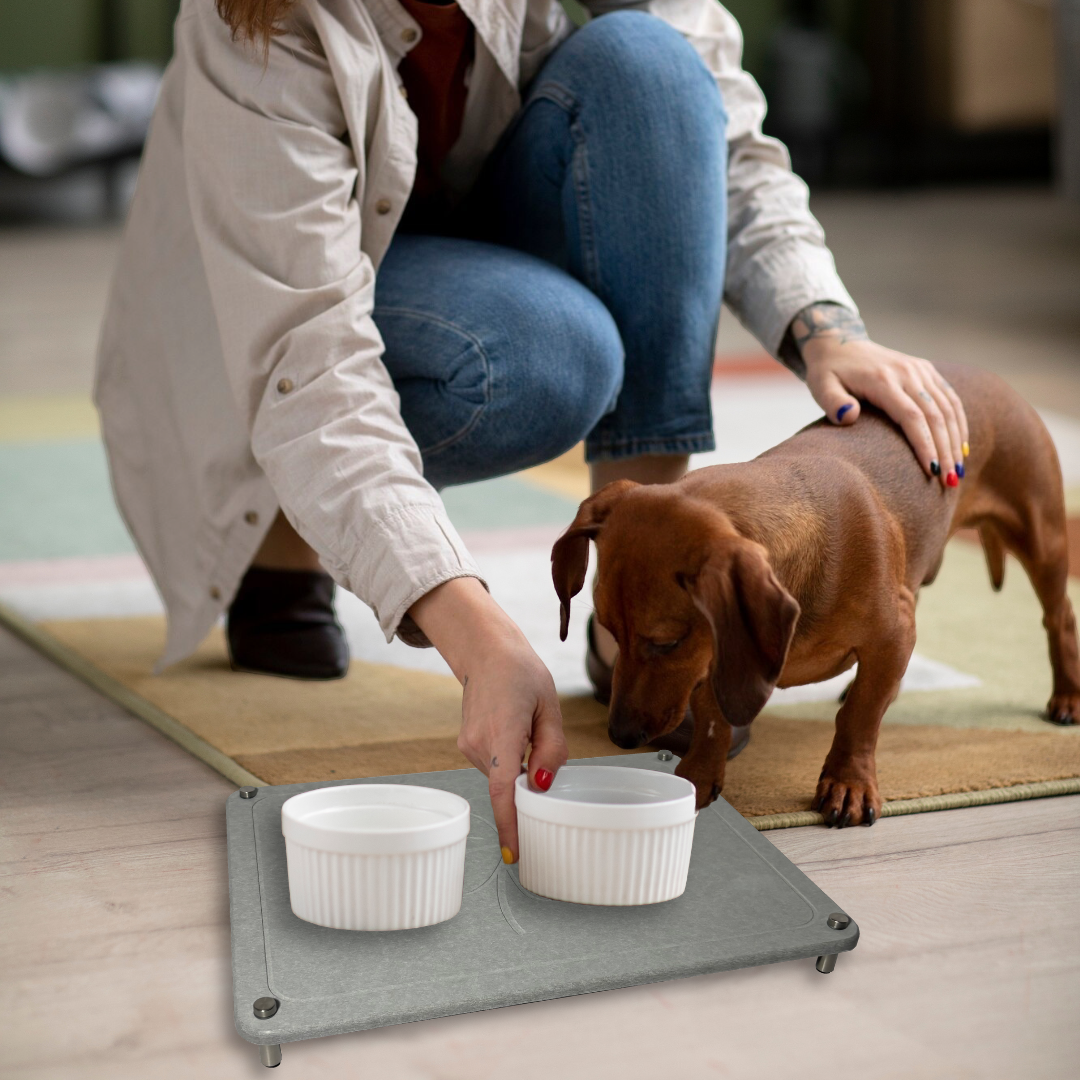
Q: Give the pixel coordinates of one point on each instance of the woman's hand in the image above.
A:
(508, 697)
(843, 366)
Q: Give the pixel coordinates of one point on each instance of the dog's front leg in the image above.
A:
(706, 760)
(847, 791)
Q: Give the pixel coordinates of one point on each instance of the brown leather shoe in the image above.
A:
(282, 622)
(677, 741)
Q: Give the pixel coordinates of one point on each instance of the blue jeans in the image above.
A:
(578, 293)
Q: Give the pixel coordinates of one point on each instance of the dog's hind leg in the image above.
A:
(1021, 507)
(1042, 549)
(847, 791)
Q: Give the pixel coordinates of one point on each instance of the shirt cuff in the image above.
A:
(779, 282)
(405, 554)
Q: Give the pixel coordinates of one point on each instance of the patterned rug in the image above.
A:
(967, 727)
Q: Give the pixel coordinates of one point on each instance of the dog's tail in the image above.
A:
(994, 549)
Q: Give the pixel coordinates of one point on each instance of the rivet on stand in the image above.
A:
(248, 792)
(265, 1007)
(664, 755)
(838, 921)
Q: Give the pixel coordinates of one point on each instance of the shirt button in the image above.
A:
(251, 517)
(383, 206)
(409, 35)
(284, 386)
(215, 593)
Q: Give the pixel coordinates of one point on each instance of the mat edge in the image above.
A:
(138, 706)
(953, 800)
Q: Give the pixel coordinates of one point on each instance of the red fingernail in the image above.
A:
(543, 779)
(952, 479)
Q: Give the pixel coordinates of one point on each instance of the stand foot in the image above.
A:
(270, 1056)
(825, 964)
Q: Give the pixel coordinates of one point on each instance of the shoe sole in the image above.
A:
(285, 675)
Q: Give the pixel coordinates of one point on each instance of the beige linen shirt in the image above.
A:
(240, 369)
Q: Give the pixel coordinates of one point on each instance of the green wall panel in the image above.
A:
(146, 28)
(48, 33)
(67, 33)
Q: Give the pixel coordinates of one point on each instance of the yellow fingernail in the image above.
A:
(508, 856)
(966, 449)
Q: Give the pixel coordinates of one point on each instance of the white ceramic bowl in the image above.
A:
(375, 856)
(606, 835)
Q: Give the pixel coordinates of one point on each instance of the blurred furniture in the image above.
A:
(47, 49)
(991, 63)
(963, 90)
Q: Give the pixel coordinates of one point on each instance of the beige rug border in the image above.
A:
(172, 729)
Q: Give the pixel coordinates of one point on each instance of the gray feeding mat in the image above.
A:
(745, 904)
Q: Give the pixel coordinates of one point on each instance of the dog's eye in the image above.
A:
(664, 647)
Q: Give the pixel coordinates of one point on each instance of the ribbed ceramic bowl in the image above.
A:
(375, 856)
(606, 835)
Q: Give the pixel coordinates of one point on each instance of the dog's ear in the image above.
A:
(570, 555)
(753, 621)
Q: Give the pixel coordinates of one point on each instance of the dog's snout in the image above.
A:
(630, 727)
(628, 740)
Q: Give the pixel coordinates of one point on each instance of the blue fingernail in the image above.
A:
(935, 468)
(843, 409)
(960, 470)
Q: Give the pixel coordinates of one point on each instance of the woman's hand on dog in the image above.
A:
(508, 696)
(843, 366)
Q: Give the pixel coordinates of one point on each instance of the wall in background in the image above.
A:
(61, 33)
(865, 92)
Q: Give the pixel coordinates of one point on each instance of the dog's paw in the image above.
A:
(705, 782)
(1064, 709)
(707, 794)
(848, 801)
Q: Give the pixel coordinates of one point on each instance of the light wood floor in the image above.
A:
(114, 944)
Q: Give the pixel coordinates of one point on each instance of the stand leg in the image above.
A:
(270, 1056)
(825, 964)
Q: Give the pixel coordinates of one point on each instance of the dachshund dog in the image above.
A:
(790, 568)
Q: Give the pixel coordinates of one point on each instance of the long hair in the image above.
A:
(255, 21)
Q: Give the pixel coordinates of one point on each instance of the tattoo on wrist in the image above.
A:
(821, 320)
(827, 320)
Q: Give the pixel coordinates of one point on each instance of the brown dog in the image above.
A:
(789, 568)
